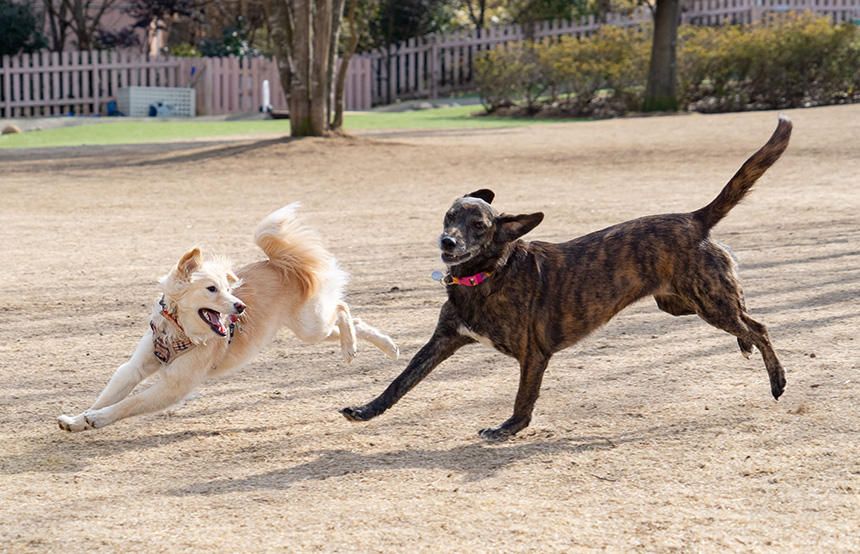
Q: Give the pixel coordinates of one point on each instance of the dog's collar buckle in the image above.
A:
(235, 327)
(469, 281)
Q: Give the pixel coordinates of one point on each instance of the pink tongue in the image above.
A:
(215, 320)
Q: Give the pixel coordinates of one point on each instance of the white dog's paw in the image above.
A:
(349, 352)
(391, 350)
(74, 424)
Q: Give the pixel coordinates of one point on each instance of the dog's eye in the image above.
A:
(478, 225)
(212, 288)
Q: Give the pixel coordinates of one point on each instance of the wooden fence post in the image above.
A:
(95, 58)
(433, 67)
(755, 11)
(6, 81)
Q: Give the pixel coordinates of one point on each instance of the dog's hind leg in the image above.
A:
(761, 339)
(376, 338)
(746, 348)
(344, 322)
(750, 331)
(745, 345)
(674, 304)
(718, 300)
(531, 375)
(316, 323)
(677, 306)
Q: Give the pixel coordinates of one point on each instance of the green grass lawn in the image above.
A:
(117, 131)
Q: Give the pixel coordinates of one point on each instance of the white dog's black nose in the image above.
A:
(239, 307)
(447, 243)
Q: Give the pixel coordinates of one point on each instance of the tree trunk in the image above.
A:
(83, 33)
(56, 14)
(302, 34)
(300, 51)
(477, 15)
(86, 16)
(319, 63)
(337, 119)
(334, 40)
(660, 90)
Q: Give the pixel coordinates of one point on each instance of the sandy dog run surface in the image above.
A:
(652, 435)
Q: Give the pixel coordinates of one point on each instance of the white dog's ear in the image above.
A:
(189, 262)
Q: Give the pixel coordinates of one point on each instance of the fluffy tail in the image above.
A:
(747, 175)
(295, 249)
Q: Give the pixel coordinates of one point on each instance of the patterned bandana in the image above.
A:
(168, 349)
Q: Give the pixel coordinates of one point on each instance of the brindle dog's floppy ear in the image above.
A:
(511, 227)
(484, 194)
(189, 262)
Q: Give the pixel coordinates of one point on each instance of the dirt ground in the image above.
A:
(654, 434)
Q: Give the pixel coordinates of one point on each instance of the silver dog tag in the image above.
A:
(437, 276)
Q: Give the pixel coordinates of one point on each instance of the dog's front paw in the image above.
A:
(496, 433)
(74, 424)
(358, 413)
(777, 384)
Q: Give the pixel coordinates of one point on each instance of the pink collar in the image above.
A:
(470, 281)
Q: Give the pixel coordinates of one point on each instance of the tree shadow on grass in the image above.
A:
(218, 152)
(476, 461)
(152, 154)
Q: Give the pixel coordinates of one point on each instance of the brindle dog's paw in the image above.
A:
(358, 413)
(496, 433)
(777, 386)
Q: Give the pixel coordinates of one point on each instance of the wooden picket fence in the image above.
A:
(51, 83)
(440, 64)
(83, 83)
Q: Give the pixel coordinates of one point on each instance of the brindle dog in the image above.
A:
(532, 299)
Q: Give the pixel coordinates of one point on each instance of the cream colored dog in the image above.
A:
(210, 320)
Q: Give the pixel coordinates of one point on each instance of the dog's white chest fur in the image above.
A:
(463, 330)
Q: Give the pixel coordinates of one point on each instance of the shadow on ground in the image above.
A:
(476, 461)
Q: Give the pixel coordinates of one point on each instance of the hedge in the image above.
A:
(792, 61)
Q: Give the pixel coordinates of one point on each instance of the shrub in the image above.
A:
(792, 61)
(184, 49)
(609, 67)
(579, 76)
(509, 74)
(799, 60)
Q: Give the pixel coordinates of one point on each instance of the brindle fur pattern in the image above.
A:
(544, 297)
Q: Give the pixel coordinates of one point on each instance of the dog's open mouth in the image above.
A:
(213, 318)
(451, 259)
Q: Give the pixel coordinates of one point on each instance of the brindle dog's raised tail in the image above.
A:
(746, 176)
